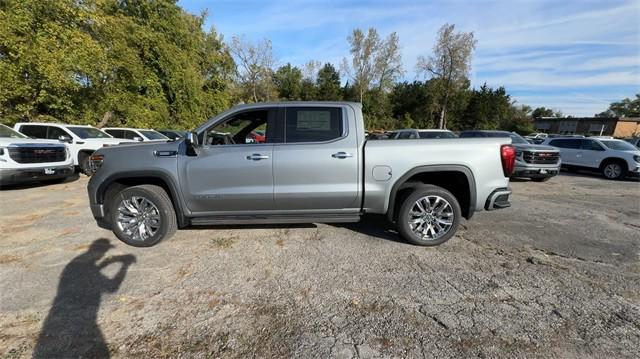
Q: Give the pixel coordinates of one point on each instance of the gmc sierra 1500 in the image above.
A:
(314, 166)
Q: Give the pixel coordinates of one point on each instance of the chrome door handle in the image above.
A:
(257, 157)
(341, 155)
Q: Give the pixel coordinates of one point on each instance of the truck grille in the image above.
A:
(541, 158)
(37, 154)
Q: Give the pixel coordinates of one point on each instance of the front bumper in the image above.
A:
(535, 171)
(21, 175)
(498, 199)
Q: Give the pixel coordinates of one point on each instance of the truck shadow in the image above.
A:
(28, 185)
(71, 329)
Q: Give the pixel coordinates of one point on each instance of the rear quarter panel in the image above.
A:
(480, 155)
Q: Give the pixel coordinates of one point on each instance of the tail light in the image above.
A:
(95, 162)
(508, 157)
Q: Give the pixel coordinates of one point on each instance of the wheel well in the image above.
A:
(82, 154)
(608, 160)
(114, 187)
(453, 181)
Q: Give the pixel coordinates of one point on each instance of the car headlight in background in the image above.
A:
(636, 158)
(95, 162)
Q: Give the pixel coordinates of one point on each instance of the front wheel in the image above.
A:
(429, 216)
(142, 216)
(614, 170)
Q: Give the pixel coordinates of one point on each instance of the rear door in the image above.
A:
(569, 148)
(316, 168)
(590, 154)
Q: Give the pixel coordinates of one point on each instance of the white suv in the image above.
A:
(614, 158)
(82, 140)
(136, 134)
(23, 159)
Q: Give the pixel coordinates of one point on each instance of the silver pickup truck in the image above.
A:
(312, 165)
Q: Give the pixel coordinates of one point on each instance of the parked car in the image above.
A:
(423, 134)
(537, 162)
(315, 166)
(173, 134)
(81, 140)
(634, 141)
(256, 136)
(23, 159)
(536, 137)
(615, 159)
(136, 134)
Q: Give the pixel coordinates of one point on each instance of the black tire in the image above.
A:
(84, 164)
(540, 179)
(611, 173)
(159, 198)
(402, 221)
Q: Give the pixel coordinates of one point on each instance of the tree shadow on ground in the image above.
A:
(70, 329)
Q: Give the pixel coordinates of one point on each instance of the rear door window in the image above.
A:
(313, 124)
(565, 143)
(590, 145)
(129, 135)
(115, 133)
(35, 131)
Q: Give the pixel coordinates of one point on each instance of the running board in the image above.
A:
(273, 219)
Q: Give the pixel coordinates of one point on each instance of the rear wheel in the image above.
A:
(143, 215)
(614, 170)
(429, 216)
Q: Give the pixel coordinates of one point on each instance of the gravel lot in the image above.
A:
(556, 275)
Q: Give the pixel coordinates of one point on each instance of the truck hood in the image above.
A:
(532, 147)
(6, 141)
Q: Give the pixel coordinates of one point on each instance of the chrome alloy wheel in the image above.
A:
(138, 218)
(612, 170)
(431, 217)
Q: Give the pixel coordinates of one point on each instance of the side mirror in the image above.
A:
(139, 139)
(192, 139)
(64, 138)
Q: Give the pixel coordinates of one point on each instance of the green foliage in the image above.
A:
(288, 81)
(625, 108)
(139, 63)
(328, 83)
(487, 109)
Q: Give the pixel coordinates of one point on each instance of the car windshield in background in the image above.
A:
(88, 132)
(153, 135)
(6, 132)
(619, 145)
(436, 134)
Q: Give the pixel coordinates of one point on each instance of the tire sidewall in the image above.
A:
(403, 226)
(153, 198)
(85, 166)
(622, 174)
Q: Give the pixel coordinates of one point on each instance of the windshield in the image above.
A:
(7, 132)
(88, 132)
(436, 134)
(153, 135)
(618, 145)
(516, 138)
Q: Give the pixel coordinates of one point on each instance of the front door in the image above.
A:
(317, 167)
(231, 172)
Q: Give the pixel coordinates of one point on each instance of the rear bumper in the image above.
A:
(498, 199)
(21, 175)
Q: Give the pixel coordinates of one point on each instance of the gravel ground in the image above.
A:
(556, 275)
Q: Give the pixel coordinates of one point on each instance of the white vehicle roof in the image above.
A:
(128, 128)
(52, 124)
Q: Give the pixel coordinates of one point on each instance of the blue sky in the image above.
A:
(575, 56)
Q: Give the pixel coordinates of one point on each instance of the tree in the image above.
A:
(388, 62)
(487, 109)
(288, 81)
(255, 68)
(624, 108)
(450, 63)
(328, 83)
(540, 112)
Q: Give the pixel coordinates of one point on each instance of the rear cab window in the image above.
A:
(313, 124)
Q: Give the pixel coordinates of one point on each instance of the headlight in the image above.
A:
(636, 158)
(95, 162)
(1, 151)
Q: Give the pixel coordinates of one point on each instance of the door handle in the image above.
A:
(341, 155)
(257, 157)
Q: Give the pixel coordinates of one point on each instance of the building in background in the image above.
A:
(590, 126)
